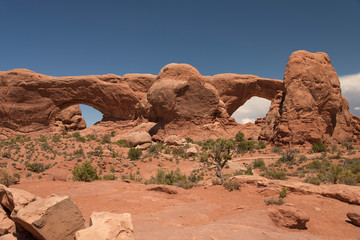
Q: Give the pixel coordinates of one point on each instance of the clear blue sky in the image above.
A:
(78, 37)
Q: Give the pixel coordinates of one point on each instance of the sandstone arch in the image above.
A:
(236, 89)
(30, 100)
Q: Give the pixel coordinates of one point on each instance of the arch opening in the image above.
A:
(76, 116)
(90, 114)
(253, 109)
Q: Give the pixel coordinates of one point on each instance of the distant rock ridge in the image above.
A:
(306, 107)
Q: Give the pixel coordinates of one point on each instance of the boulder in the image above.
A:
(8, 237)
(311, 108)
(71, 118)
(51, 218)
(192, 151)
(138, 138)
(354, 218)
(180, 92)
(174, 140)
(107, 226)
(288, 216)
(6, 224)
(13, 198)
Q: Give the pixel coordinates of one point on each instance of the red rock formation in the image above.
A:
(181, 93)
(70, 119)
(311, 108)
(236, 89)
(29, 101)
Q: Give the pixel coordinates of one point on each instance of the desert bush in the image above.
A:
(86, 173)
(274, 174)
(133, 177)
(98, 152)
(272, 201)
(79, 153)
(216, 181)
(109, 177)
(90, 137)
(245, 146)
(122, 143)
(313, 180)
(171, 178)
(283, 192)
(106, 138)
(37, 167)
(155, 149)
(289, 156)
(189, 140)
(134, 153)
(78, 137)
(56, 139)
(6, 154)
(248, 171)
(261, 145)
(180, 151)
(319, 147)
(7, 180)
(239, 137)
(195, 177)
(259, 163)
(348, 145)
(42, 138)
(231, 185)
(276, 150)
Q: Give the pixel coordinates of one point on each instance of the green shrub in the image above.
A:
(261, 145)
(37, 167)
(232, 185)
(245, 146)
(180, 151)
(289, 156)
(79, 153)
(274, 174)
(283, 192)
(216, 181)
(171, 178)
(6, 154)
(109, 177)
(56, 139)
(42, 138)
(313, 180)
(239, 137)
(86, 173)
(259, 163)
(106, 138)
(348, 145)
(78, 137)
(90, 137)
(276, 150)
(98, 152)
(272, 201)
(155, 149)
(189, 140)
(134, 153)
(319, 147)
(7, 179)
(122, 143)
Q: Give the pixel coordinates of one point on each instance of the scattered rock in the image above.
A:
(173, 140)
(108, 226)
(13, 198)
(144, 146)
(138, 138)
(354, 217)
(71, 118)
(289, 217)
(51, 218)
(192, 151)
(6, 224)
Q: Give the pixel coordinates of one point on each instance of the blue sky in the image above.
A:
(79, 37)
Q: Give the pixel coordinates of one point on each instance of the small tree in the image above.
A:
(221, 151)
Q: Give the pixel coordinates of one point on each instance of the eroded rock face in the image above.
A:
(311, 108)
